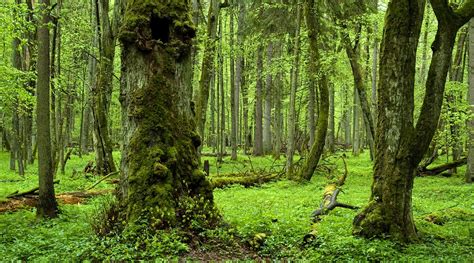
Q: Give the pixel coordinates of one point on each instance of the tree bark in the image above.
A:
(102, 92)
(330, 133)
(267, 115)
(291, 123)
(359, 84)
(258, 136)
(312, 160)
(202, 96)
(469, 177)
(161, 132)
(400, 145)
(47, 205)
(240, 72)
(234, 93)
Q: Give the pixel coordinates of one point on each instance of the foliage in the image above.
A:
(271, 220)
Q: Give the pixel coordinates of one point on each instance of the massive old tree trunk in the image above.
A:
(102, 91)
(164, 184)
(400, 145)
(47, 206)
(312, 160)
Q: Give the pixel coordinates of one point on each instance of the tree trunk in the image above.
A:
(312, 160)
(278, 118)
(234, 101)
(267, 115)
(355, 124)
(161, 133)
(258, 137)
(347, 118)
(330, 132)
(361, 96)
(240, 72)
(47, 206)
(311, 108)
(222, 134)
(400, 145)
(291, 123)
(456, 74)
(202, 96)
(16, 151)
(424, 52)
(469, 178)
(101, 94)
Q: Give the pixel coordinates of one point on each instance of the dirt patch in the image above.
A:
(72, 198)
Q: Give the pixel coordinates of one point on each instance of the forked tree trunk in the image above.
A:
(161, 164)
(400, 145)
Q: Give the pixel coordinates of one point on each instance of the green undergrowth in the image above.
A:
(269, 221)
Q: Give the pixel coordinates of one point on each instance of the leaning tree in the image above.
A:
(161, 180)
(400, 143)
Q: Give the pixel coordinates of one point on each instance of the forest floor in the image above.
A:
(268, 221)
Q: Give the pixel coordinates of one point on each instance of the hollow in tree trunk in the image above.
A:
(161, 164)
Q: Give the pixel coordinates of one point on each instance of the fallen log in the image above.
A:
(32, 191)
(328, 203)
(423, 171)
(245, 179)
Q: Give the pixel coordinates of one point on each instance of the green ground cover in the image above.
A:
(271, 219)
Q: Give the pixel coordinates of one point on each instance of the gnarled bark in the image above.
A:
(161, 166)
(400, 145)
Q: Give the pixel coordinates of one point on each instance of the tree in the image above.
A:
(160, 164)
(47, 206)
(202, 96)
(102, 91)
(258, 131)
(400, 145)
(470, 124)
(291, 124)
(312, 160)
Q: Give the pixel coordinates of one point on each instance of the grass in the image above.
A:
(272, 218)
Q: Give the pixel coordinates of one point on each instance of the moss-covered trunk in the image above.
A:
(400, 145)
(317, 148)
(160, 162)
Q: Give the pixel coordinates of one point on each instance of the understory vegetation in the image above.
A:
(264, 221)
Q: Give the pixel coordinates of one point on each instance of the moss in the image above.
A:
(370, 222)
(166, 186)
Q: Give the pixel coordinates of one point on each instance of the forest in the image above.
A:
(215, 130)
